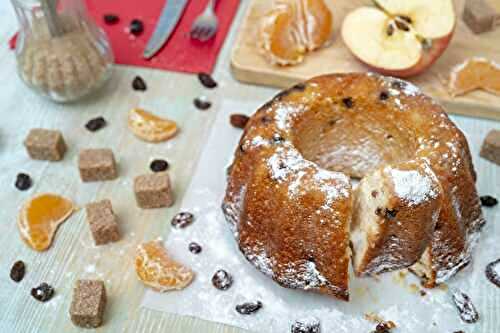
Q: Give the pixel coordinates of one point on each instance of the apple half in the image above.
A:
(400, 38)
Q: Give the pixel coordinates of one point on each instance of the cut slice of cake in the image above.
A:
(395, 211)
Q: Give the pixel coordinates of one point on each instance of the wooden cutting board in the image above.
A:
(249, 66)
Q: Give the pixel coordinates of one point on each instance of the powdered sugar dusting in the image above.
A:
(288, 165)
(284, 115)
(412, 186)
(260, 259)
(302, 275)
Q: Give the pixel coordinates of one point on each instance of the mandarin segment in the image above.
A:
(40, 217)
(157, 270)
(148, 127)
(292, 28)
(474, 74)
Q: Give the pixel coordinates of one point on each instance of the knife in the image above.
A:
(170, 15)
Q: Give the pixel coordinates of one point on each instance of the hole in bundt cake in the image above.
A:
(357, 141)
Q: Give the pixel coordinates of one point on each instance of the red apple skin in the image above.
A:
(429, 57)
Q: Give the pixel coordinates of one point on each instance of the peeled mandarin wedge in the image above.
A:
(148, 127)
(279, 42)
(473, 74)
(319, 32)
(157, 270)
(40, 217)
(292, 28)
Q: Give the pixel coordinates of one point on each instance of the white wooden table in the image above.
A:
(72, 255)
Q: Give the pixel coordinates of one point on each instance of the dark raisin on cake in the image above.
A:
(348, 102)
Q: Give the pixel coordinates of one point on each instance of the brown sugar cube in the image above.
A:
(480, 16)
(153, 190)
(491, 147)
(89, 301)
(102, 222)
(43, 144)
(96, 165)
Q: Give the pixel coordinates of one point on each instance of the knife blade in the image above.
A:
(170, 15)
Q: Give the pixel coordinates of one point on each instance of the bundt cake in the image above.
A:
(289, 198)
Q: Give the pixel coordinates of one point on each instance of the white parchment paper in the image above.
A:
(391, 297)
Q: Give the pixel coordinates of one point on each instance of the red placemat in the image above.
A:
(181, 53)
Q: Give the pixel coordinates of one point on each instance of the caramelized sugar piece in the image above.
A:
(40, 217)
(293, 28)
(473, 74)
(148, 127)
(156, 269)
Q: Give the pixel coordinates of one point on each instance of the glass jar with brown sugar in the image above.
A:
(61, 53)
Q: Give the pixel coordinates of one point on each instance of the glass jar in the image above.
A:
(61, 53)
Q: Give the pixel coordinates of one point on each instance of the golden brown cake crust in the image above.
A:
(288, 196)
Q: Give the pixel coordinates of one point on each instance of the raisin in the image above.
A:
(402, 25)
(182, 220)
(378, 211)
(17, 271)
(222, 280)
(306, 325)
(265, 119)
(158, 165)
(207, 81)
(138, 84)
(194, 248)
(278, 138)
(202, 104)
(383, 96)
(390, 213)
(488, 201)
(374, 193)
(398, 84)
(493, 272)
(390, 30)
(465, 307)
(422, 292)
(348, 102)
(239, 120)
(249, 307)
(111, 19)
(136, 27)
(95, 124)
(43, 292)
(23, 182)
(384, 327)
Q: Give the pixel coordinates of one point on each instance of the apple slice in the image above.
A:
(400, 38)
